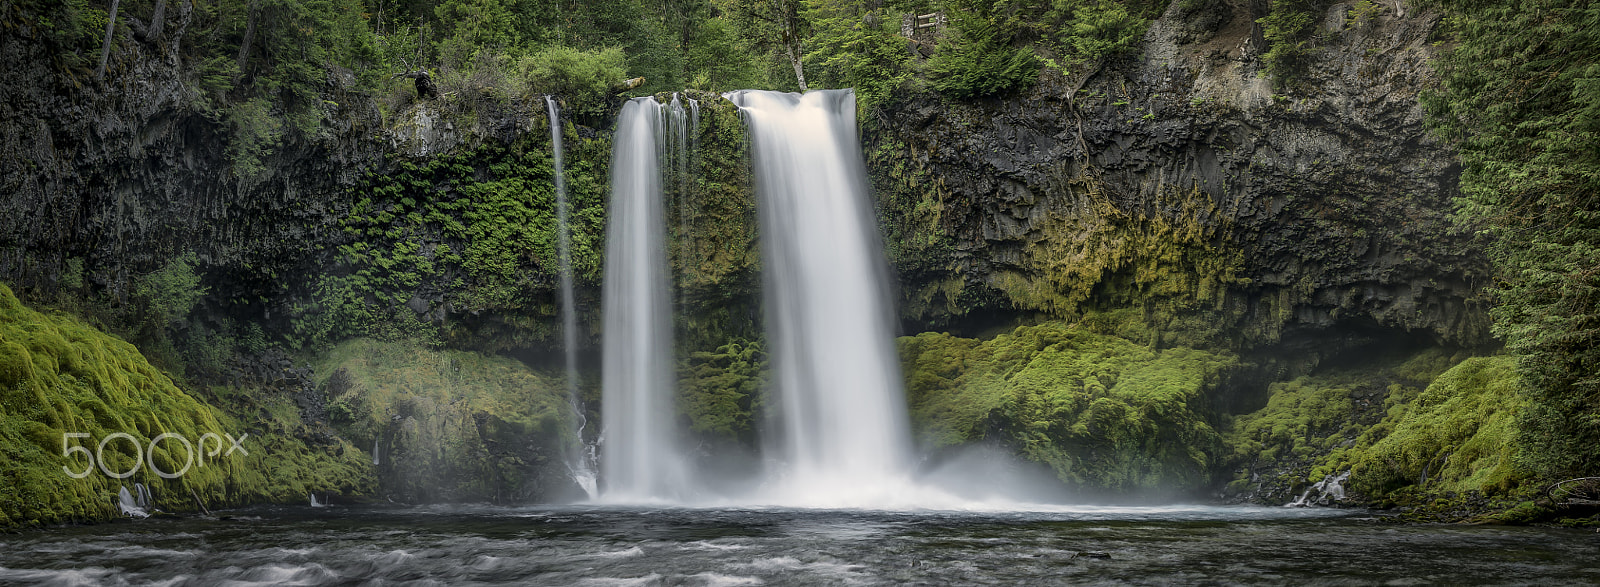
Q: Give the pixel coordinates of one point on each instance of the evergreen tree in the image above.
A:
(1521, 91)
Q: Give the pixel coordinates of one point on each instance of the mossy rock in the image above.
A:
(1460, 434)
(1103, 412)
(1432, 424)
(61, 376)
(452, 426)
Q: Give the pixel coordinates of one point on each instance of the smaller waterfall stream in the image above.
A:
(579, 459)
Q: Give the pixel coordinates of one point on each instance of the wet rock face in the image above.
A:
(130, 171)
(1324, 204)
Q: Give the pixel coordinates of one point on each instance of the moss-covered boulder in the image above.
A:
(1459, 435)
(79, 410)
(1431, 424)
(1103, 412)
(720, 391)
(451, 426)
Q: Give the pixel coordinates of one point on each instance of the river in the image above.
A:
(590, 545)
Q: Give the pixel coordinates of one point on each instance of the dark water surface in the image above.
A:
(581, 545)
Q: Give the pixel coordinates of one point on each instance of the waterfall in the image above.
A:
(845, 434)
(137, 504)
(578, 463)
(641, 460)
(677, 159)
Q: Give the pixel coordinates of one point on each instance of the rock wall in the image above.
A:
(127, 172)
(1182, 184)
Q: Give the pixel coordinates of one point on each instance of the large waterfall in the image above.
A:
(844, 437)
(840, 436)
(640, 459)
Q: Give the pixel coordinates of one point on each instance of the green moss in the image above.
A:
(720, 390)
(1525, 512)
(1159, 256)
(62, 376)
(1103, 412)
(713, 229)
(1433, 424)
(918, 239)
(1458, 435)
(1305, 417)
(450, 425)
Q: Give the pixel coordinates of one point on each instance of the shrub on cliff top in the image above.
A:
(979, 61)
(584, 78)
(1289, 29)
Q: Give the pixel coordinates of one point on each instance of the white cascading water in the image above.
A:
(640, 459)
(845, 439)
(578, 457)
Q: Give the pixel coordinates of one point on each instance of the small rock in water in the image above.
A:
(1095, 554)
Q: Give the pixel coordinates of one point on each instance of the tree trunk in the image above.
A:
(105, 51)
(794, 57)
(249, 35)
(788, 13)
(156, 20)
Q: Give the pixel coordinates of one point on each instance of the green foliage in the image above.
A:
(1103, 412)
(343, 306)
(856, 46)
(256, 132)
(771, 29)
(1074, 34)
(474, 26)
(1099, 28)
(1520, 93)
(979, 61)
(1363, 13)
(719, 59)
(476, 226)
(584, 78)
(74, 29)
(1289, 29)
(168, 294)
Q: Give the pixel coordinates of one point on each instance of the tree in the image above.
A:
(105, 52)
(850, 47)
(157, 18)
(252, 15)
(1521, 94)
(774, 26)
(978, 60)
